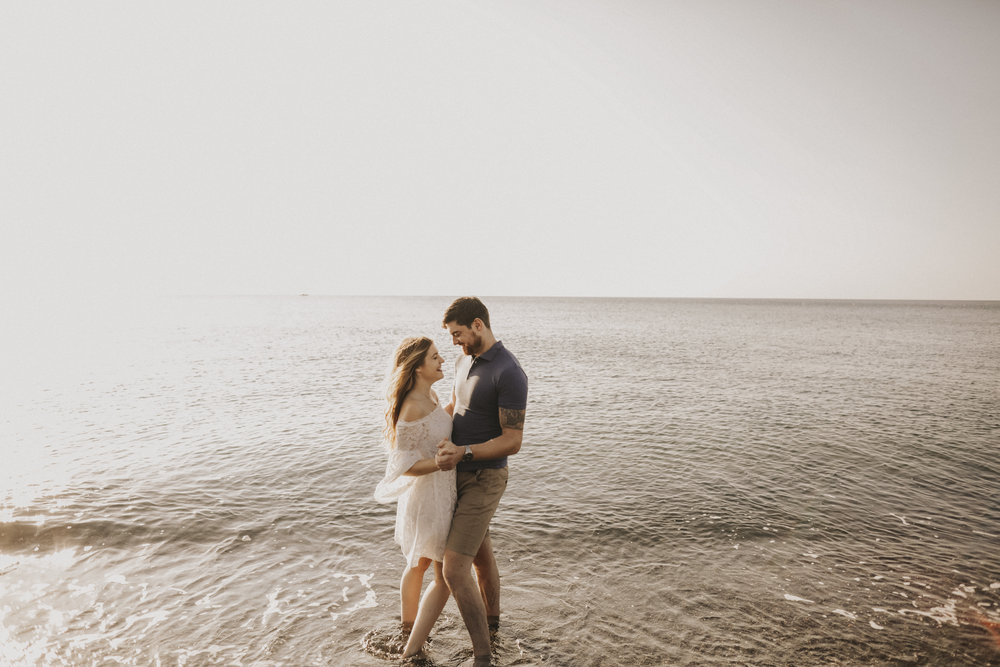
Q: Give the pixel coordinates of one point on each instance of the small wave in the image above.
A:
(22, 535)
(368, 601)
(8, 565)
(37, 535)
(945, 614)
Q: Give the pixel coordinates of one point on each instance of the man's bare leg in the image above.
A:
(458, 575)
(489, 581)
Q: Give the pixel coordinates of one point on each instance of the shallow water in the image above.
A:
(188, 481)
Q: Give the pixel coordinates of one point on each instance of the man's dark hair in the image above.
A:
(464, 310)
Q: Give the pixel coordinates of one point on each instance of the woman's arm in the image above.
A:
(422, 467)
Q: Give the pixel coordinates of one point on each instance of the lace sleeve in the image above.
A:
(410, 435)
(401, 458)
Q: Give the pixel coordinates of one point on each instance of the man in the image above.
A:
(489, 400)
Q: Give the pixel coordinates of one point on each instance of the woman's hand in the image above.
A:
(448, 455)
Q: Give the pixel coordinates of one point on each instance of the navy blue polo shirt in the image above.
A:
(483, 385)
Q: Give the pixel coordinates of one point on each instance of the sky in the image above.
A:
(733, 149)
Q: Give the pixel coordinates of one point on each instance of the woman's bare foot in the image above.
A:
(415, 651)
(418, 658)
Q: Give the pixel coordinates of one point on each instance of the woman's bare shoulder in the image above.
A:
(414, 409)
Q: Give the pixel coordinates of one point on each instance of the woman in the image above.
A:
(415, 424)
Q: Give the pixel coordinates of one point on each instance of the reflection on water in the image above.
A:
(701, 483)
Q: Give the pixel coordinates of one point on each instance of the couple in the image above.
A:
(448, 469)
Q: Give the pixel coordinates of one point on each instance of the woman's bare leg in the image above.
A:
(430, 609)
(409, 591)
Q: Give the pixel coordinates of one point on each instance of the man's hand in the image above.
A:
(448, 455)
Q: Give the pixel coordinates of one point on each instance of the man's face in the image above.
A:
(468, 337)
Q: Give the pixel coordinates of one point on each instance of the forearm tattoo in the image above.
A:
(512, 419)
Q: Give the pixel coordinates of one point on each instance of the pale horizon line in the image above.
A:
(576, 296)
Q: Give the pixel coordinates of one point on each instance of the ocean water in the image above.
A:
(189, 482)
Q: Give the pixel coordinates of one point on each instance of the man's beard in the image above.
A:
(473, 348)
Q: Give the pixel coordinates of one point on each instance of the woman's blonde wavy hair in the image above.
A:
(408, 358)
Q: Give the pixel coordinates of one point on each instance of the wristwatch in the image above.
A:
(468, 454)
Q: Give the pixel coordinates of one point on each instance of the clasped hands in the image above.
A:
(448, 455)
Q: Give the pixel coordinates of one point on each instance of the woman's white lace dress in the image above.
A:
(425, 503)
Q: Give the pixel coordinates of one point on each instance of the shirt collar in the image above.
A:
(489, 354)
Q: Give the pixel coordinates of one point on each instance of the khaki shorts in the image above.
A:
(479, 493)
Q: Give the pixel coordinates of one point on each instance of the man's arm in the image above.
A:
(450, 408)
(507, 443)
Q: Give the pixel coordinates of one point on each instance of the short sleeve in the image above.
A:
(401, 458)
(409, 435)
(512, 389)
